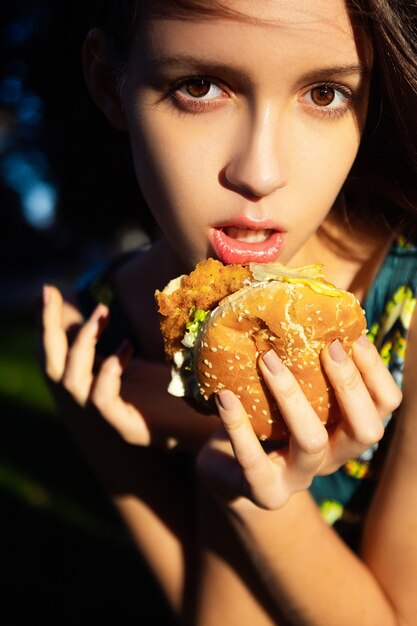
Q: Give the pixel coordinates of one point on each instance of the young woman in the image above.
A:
(271, 130)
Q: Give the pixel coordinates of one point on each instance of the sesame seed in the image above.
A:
(263, 437)
(264, 412)
(229, 361)
(257, 400)
(207, 375)
(237, 357)
(318, 312)
(310, 386)
(254, 407)
(231, 367)
(268, 421)
(214, 377)
(240, 318)
(300, 367)
(240, 388)
(205, 362)
(246, 312)
(213, 349)
(206, 384)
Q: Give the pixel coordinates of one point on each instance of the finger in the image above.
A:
(382, 387)
(260, 476)
(54, 338)
(105, 395)
(309, 438)
(361, 417)
(78, 375)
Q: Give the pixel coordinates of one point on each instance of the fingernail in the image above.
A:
(363, 341)
(98, 320)
(225, 400)
(273, 362)
(46, 295)
(99, 312)
(336, 351)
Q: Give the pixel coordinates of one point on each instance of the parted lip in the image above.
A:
(230, 250)
(251, 223)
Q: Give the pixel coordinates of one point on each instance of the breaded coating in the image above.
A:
(208, 283)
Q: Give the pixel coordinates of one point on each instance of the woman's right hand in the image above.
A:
(130, 394)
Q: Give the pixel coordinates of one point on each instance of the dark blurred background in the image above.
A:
(68, 199)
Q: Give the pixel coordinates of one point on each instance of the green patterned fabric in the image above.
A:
(343, 497)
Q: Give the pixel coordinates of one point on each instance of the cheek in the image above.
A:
(325, 159)
(175, 170)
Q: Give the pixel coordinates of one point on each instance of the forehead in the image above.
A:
(265, 31)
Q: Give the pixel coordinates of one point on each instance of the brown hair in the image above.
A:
(382, 184)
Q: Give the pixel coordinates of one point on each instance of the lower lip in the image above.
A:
(230, 250)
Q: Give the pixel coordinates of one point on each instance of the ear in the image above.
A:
(101, 81)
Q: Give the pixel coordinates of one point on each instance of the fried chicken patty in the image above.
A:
(208, 283)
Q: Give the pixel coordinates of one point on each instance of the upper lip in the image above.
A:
(251, 223)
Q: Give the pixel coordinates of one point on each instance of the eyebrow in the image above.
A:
(187, 61)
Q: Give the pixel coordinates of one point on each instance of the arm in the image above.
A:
(149, 486)
(313, 576)
(390, 535)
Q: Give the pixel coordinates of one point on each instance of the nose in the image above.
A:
(257, 166)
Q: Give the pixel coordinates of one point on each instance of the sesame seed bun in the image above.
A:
(292, 312)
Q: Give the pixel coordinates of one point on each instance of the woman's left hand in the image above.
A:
(234, 463)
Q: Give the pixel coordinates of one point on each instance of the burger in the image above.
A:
(217, 321)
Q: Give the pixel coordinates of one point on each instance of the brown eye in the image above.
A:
(198, 87)
(323, 95)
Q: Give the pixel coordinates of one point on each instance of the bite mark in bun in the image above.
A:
(217, 321)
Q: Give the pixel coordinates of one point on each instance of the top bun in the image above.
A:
(293, 319)
(292, 311)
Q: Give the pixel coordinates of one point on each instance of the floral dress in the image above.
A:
(344, 496)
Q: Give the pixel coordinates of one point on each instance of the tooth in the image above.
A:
(247, 234)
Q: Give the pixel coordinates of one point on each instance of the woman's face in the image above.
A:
(243, 131)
